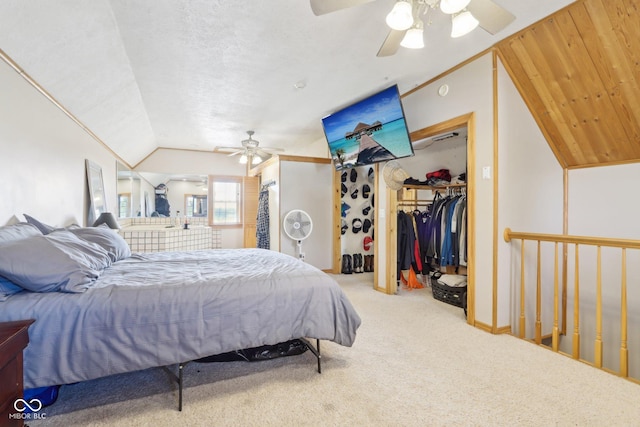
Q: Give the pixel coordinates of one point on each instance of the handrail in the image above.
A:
(565, 238)
(578, 241)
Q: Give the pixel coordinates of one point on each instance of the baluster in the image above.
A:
(522, 318)
(538, 300)
(554, 339)
(576, 309)
(598, 344)
(624, 353)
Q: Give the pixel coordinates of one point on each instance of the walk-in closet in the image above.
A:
(427, 247)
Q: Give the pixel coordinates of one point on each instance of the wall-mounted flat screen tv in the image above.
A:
(369, 131)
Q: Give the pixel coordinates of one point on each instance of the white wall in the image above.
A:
(308, 186)
(530, 198)
(603, 202)
(42, 160)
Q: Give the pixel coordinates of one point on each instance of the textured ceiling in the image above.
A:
(196, 74)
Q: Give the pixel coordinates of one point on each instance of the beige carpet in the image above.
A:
(415, 362)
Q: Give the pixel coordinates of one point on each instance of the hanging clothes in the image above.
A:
(262, 226)
(406, 239)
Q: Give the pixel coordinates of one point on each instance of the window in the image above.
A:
(226, 197)
(123, 205)
(196, 205)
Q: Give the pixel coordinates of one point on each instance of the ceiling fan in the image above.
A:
(406, 18)
(250, 151)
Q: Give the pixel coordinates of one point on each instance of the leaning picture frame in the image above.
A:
(97, 197)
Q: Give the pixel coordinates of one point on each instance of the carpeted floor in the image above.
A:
(415, 362)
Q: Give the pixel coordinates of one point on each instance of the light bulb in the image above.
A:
(401, 16)
(256, 160)
(243, 159)
(413, 39)
(453, 6)
(463, 23)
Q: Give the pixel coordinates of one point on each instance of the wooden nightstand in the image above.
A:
(13, 339)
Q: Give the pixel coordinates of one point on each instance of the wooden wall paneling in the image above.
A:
(613, 46)
(250, 196)
(598, 122)
(578, 72)
(535, 65)
(532, 99)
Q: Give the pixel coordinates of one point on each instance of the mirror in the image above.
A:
(138, 194)
(132, 199)
(97, 199)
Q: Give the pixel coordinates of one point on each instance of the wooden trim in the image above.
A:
(6, 58)
(446, 73)
(391, 283)
(471, 218)
(494, 314)
(565, 248)
(596, 165)
(484, 327)
(441, 127)
(337, 224)
(503, 330)
(580, 240)
(376, 219)
(322, 160)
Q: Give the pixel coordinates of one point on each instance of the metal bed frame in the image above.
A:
(178, 378)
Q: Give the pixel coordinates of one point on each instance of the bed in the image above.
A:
(157, 309)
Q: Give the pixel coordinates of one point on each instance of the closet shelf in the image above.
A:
(429, 187)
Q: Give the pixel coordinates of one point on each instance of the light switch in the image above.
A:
(486, 172)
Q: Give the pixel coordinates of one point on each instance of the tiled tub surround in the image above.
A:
(160, 234)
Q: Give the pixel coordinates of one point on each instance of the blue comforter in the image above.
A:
(164, 308)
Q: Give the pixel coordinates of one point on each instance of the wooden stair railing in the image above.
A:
(597, 242)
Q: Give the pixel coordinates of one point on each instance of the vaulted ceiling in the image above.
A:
(196, 74)
(579, 72)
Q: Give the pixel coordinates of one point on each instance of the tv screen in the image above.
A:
(369, 131)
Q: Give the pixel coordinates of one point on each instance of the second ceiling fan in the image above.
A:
(250, 150)
(406, 18)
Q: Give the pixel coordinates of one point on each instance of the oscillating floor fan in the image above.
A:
(298, 225)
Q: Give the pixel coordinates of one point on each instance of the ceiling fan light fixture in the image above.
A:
(401, 16)
(453, 6)
(243, 159)
(256, 160)
(414, 39)
(463, 23)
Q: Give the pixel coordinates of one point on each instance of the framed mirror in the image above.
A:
(97, 199)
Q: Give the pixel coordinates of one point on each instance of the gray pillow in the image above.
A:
(22, 230)
(107, 238)
(44, 228)
(7, 288)
(59, 261)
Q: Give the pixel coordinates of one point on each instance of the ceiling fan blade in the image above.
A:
(321, 7)
(391, 43)
(492, 18)
(235, 153)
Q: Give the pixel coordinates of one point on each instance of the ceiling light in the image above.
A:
(453, 6)
(401, 16)
(414, 39)
(256, 160)
(243, 159)
(463, 23)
